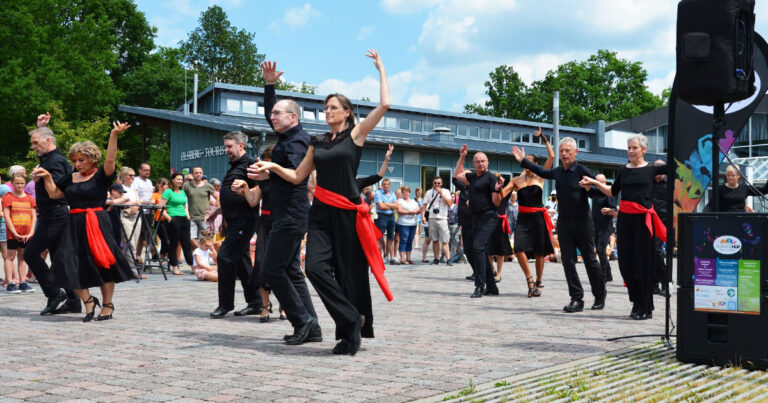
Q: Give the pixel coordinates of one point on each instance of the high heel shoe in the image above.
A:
(533, 290)
(106, 317)
(89, 315)
(282, 314)
(265, 311)
(538, 284)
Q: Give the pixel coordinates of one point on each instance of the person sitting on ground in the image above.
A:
(202, 267)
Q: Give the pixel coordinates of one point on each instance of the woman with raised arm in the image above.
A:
(533, 233)
(638, 223)
(341, 240)
(88, 254)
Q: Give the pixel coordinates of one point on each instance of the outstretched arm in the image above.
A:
(520, 157)
(458, 172)
(50, 187)
(383, 169)
(586, 182)
(294, 176)
(550, 152)
(42, 120)
(271, 75)
(360, 132)
(109, 160)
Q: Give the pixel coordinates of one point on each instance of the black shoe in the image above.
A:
(301, 333)
(54, 303)
(106, 317)
(251, 309)
(435, 261)
(645, 316)
(71, 306)
(219, 312)
(449, 263)
(635, 311)
(657, 290)
(574, 306)
(598, 305)
(478, 293)
(470, 277)
(491, 292)
(89, 315)
(351, 343)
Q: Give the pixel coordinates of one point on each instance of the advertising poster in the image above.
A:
(726, 262)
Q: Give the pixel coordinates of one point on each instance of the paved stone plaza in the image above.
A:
(430, 340)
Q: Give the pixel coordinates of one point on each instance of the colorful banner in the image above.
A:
(690, 132)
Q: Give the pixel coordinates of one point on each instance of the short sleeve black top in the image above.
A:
(734, 200)
(336, 162)
(481, 189)
(234, 205)
(636, 184)
(91, 193)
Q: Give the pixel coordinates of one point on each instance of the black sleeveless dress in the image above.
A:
(335, 263)
(531, 235)
(500, 245)
(73, 265)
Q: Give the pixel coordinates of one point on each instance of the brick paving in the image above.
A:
(431, 339)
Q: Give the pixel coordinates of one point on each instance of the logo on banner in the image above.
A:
(727, 245)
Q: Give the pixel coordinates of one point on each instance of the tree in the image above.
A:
(220, 52)
(603, 87)
(158, 82)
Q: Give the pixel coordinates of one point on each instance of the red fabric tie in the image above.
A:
(100, 251)
(544, 212)
(505, 224)
(652, 220)
(366, 232)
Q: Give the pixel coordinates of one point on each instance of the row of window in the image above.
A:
(412, 125)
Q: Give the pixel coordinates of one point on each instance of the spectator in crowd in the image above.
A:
(198, 194)
(434, 212)
(3, 237)
(177, 215)
(142, 185)
(19, 211)
(160, 221)
(386, 204)
(418, 195)
(408, 214)
(204, 267)
(30, 186)
(129, 217)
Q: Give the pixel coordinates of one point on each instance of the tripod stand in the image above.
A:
(149, 236)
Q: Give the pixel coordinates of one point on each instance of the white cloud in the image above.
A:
(167, 32)
(407, 6)
(428, 101)
(296, 17)
(185, 7)
(368, 87)
(365, 32)
(657, 85)
(624, 15)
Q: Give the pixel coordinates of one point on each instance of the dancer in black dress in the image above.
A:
(500, 247)
(338, 250)
(635, 183)
(533, 233)
(88, 254)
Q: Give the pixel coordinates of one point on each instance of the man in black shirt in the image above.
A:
(52, 217)
(603, 211)
(483, 200)
(575, 228)
(281, 266)
(234, 258)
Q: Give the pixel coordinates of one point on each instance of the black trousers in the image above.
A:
(162, 233)
(482, 230)
(602, 238)
(467, 239)
(50, 228)
(179, 233)
(281, 269)
(235, 262)
(636, 256)
(579, 233)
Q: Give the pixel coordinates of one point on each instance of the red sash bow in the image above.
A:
(544, 212)
(100, 251)
(366, 232)
(652, 220)
(505, 224)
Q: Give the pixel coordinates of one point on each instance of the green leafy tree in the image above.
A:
(219, 52)
(507, 95)
(158, 82)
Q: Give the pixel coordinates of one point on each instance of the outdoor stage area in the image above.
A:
(430, 341)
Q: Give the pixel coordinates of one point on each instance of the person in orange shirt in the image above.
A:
(20, 219)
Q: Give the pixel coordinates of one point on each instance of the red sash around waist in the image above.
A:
(652, 220)
(266, 212)
(505, 224)
(366, 232)
(544, 212)
(100, 251)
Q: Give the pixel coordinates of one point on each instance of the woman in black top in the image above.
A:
(635, 183)
(733, 194)
(335, 263)
(88, 255)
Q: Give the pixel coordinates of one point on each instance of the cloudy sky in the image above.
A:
(438, 53)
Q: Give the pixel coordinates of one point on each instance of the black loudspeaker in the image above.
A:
(714, 50)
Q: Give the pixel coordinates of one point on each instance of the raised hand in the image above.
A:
(271, 75)
(518, 153)
(538, 133)
(389, 151)
(373, 54)
(42, 120)
(118, 127)
(463, 150)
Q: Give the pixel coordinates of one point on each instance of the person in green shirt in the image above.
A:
(177, 214)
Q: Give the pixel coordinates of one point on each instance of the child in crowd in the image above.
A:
(203, 257)
(20, 219)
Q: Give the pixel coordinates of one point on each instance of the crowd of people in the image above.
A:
(300, 212)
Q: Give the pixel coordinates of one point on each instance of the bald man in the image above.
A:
(484, 198)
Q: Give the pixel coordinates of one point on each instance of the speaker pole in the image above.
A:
(717, 123)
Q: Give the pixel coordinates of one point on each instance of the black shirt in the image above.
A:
(481, 189)
(336, 162)
(234, 205)
(55, 163)
(288, 199)
(735, 199)
(600, 201)
(465, 214)
(572, 198)
(636, 184)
